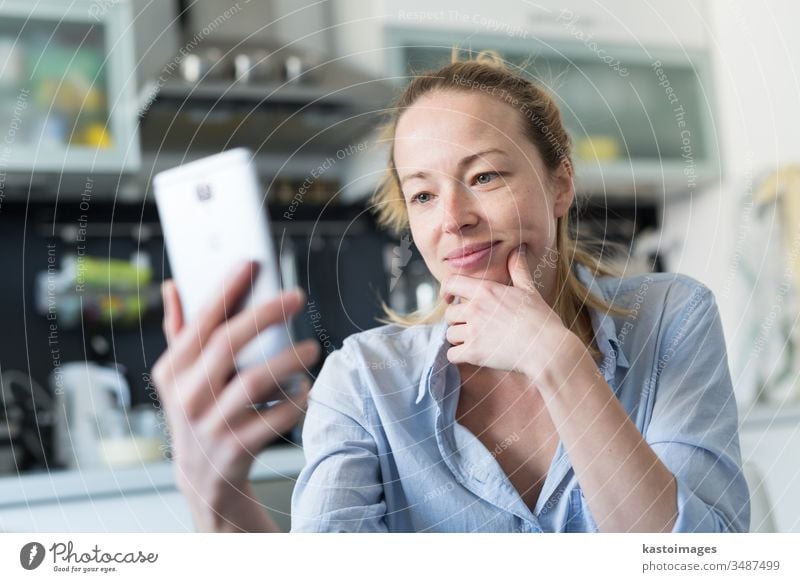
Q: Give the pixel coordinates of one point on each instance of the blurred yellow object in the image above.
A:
(783, 187)
(95, 135)
(131, 451)
(94, 100)
(597, 147)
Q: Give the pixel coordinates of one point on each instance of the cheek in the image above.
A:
(534, 228)
(425, 242)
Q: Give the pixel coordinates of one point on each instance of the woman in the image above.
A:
(541, 394)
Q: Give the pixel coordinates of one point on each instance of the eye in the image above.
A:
(422, 197)
(485, 177)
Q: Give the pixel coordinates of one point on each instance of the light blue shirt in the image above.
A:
(384, 452)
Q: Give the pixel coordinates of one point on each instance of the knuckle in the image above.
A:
(310, 352)
(191, 411)
(162, 372)
(251, 384)
(218, 345)
(470, 333)
(158, 372)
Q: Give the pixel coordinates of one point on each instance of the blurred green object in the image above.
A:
(114, 274)
(95, 290)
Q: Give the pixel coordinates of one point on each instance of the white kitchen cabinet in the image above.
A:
(664, 23)
(632, 79)
(66, 88)
(770, 443)
(360, 25)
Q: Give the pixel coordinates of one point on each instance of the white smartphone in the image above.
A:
(214, 217)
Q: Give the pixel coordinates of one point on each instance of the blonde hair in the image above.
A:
(487, 72)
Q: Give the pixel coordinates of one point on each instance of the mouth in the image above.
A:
(471, 255)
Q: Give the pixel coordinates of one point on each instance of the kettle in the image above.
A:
(86, 394)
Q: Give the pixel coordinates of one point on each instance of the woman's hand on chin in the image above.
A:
(508, 327)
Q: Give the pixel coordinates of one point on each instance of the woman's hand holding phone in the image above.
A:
(215, 430)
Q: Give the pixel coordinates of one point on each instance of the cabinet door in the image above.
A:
(637, 118)
(678, 23)
(67, 87)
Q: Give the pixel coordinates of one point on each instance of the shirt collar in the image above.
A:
(436, 359)
(605, 331)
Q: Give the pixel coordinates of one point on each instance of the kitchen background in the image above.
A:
(685, 124)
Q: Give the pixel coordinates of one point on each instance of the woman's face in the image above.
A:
(476, 188)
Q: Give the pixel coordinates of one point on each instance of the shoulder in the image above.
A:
(662, 295)
(660, 307)
(389, 358)
(658, 287)
(389, 346)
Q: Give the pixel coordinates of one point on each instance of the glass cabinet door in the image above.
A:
(56, 72)
(641, 119)
(66, 91)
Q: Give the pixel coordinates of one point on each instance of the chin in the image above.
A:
(492, 273)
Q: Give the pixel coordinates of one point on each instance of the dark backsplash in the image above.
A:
(340, 266)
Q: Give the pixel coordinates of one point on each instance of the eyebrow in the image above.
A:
(464, 162)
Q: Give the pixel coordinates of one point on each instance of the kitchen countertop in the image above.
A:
(277, 462)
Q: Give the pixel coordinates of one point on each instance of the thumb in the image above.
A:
(173, 312)
(518, 268)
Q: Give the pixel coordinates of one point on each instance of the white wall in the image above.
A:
(755, 48)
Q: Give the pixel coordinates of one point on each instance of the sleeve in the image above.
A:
(694, 422)
(340, 489)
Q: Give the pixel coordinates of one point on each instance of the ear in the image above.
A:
(563, 189)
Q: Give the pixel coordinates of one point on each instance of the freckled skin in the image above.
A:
(472, 204)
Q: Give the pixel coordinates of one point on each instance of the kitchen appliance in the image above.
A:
(10, 426)
(86, 396)
(26, 420)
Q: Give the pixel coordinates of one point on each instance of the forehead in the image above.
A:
(445, 126)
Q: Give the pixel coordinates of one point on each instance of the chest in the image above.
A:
(513, 423)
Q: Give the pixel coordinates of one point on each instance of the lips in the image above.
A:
(470, 255)
(469, 249)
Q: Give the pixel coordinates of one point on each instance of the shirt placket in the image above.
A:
(468, 460)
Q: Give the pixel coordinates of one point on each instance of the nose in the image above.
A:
(459, 209)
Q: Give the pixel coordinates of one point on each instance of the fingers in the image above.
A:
(457, 334)
(267, 425)
(460, 286)
(219, 353)
(248, 324)
(173, 310)
(456, 313)
(518, 270)
(259, 383)
(234, 289)
(458, 354)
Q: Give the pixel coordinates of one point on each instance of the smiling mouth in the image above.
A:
(472, 255)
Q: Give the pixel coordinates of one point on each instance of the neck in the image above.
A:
(547, 285)
(472, 376)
